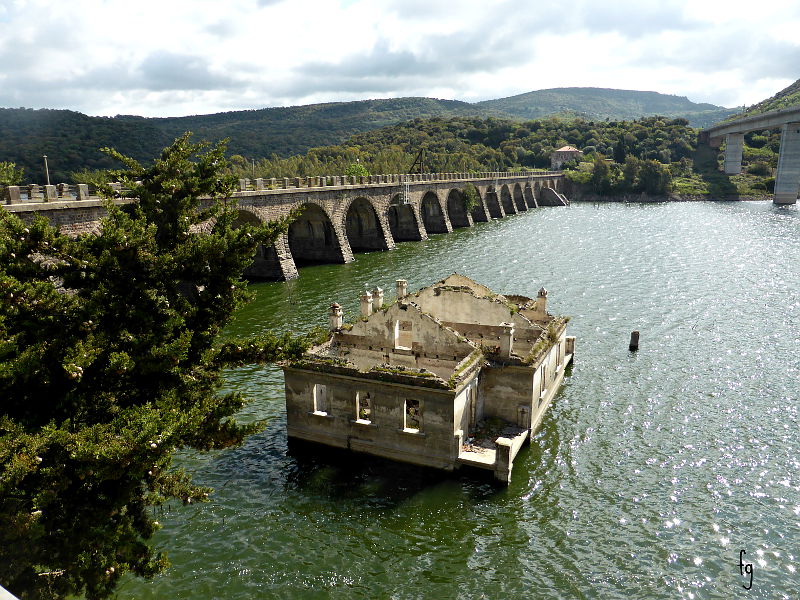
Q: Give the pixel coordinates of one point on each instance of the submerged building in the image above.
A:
(450, 376)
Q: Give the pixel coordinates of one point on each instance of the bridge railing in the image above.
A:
(64, 192)
(317, 181)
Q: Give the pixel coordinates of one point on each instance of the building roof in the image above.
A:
(454, 322)
(569, 149)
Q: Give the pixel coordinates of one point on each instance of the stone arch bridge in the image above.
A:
(340, 215)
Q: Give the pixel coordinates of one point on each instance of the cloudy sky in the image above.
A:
(179, 57)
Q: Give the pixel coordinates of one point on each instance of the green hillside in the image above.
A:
(71, 140)
(602, 103)
(787, 97)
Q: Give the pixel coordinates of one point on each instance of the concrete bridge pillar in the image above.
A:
(734, 143)
(787, 180)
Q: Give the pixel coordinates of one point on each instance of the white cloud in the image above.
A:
(159, 58)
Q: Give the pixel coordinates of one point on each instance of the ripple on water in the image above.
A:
(649, 475)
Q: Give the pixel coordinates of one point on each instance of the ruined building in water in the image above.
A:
(452, 375)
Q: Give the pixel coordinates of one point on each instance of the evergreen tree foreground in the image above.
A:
(110, 361)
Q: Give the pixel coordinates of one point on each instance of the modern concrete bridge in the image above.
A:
(341, 215)
(787, 179)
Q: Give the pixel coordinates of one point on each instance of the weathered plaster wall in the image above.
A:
(427, 336)
(433, 445)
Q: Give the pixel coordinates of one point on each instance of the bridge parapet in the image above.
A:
(63, 192)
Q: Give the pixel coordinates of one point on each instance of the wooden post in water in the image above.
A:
(634, 345)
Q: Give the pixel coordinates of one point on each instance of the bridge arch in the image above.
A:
(265, 260)
(480, 214)
(403, 221)
(519, 198)
(434, 217)
(506, 201)
(313, 238)
(364, 229)
(493, 205)
(530, 196)
(457, 209)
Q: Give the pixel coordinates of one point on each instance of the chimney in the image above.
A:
(506, 339)
(402, 289)
(335, 317)
(541, 301)
(366, 304)
(377, 299)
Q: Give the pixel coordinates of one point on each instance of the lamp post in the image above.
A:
(46, 170)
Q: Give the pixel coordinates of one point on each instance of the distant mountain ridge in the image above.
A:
(606, 103)
(71, 139)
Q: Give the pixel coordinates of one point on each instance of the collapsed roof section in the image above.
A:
(437, 336)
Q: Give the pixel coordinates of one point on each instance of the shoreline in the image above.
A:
(643, 198)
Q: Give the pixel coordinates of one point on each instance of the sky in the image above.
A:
(183, 57)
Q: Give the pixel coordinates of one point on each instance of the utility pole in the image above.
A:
(46, 170)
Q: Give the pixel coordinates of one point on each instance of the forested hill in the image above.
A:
(602, 103)
(72, 140)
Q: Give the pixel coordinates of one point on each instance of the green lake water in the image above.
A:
(650, 474)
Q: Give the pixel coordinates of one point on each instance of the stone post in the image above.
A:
(366, 304)
(82, 191)
(286, 183)
(259, 183)
(12, 195)
(335, 317)
(734, 143)
(63, 190)
(243, 185)
(377, 299)
(787, 179)
(298, 182)
(50, 193)
(272, 183)
(402, 289)
(506, 339)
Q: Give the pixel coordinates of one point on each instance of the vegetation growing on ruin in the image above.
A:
(465, 364)
(471, 197)
(110, 362)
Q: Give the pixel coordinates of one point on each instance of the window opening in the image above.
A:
(413, 415)
(363, 406)
(403, 335)
(320, 396)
